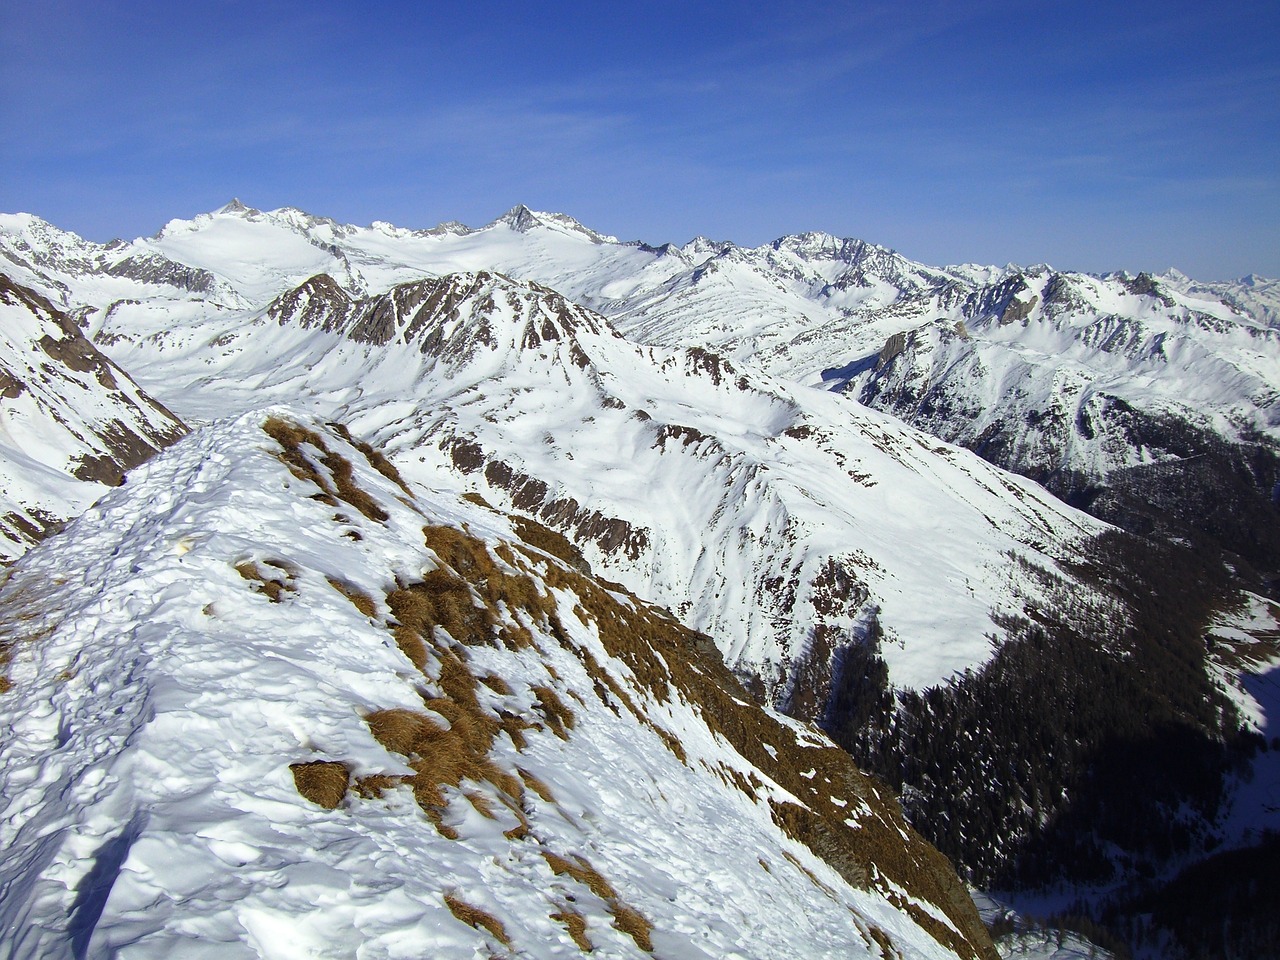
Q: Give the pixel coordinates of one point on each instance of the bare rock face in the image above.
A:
(74, 422)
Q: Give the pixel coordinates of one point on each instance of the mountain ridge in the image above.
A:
(391, 626)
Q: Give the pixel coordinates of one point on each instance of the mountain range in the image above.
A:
(768, 443)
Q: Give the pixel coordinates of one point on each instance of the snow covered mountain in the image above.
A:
(1155, 410)
(71, 422)
(1077, 381)
(270, 700)
(783, 521)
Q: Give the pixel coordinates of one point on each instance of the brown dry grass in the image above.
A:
(323, 782)
(465, 597)
(272, 578)
(580, 869)
(625, 918)
(339, 484)
(536, 785)
(446, 757)
(633, 923)
(476, 918)
(576, 924)
(670, 661)
(559, 717)
(377, 459)
(548, 541)
(374, 786)
(493, 586)
(26, 616)
(359, 599)
(887, 950)
(483, 805)
(496, 684)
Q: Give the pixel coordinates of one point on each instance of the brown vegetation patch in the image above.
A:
(559, 717)
(476, 918)
(496, 684)
(549, 541)
(483, 805)
(323, 782)
(374, 786)
(338, 484)
(377, 459)
(625, 918)
(536, 785)
(359, 599)
(887, 950)
(633, 923)
(467, 593)
(576, 924)
(23, 619)
(439, 600)
(443, 756)
(272, 578)
(670, 661)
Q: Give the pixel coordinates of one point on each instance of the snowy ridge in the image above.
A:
(268, 699)
(71, 421)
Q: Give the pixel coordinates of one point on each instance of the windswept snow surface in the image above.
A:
(158, 699)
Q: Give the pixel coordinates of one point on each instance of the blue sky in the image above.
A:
(1087, 135)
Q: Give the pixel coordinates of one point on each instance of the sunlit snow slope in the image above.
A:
(1044, 371)
(71, 421)
(268, 700)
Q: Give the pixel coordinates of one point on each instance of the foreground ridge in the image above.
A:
(284, 700)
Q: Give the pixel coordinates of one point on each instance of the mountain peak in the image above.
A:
(235, 206)
(521, 219)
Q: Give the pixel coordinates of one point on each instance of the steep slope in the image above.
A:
(71, 421)
(1150, 408)
(783, 521)
(269, 700)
